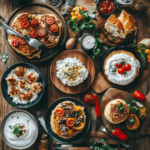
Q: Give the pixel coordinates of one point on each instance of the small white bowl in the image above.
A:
(121, 2)
(2, 130)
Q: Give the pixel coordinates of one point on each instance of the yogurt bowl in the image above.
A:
(19, 129)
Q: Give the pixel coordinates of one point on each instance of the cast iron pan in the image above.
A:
(4, 85)
(79, 136)
(129, 49)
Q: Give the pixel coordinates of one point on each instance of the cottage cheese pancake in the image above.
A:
(71, 71)
(128, 70)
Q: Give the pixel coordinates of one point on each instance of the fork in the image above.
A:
(101, 127)
(31, 41)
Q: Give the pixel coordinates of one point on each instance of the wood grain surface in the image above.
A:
(87, 62)
(112, 94)
(52, 93)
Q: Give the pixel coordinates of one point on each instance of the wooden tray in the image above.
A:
(83, 57)
(102, 20)
(40, 8)
(112, 94)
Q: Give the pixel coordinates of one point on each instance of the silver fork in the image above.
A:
(102, 128)
(31, 41)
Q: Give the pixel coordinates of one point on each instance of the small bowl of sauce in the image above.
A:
(87, 41)
(106, 7)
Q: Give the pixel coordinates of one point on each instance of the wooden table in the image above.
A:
(143, 23)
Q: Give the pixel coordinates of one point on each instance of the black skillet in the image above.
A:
(76, 138)
(129, 49)
(4, 85)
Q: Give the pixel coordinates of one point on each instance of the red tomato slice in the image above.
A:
(119, 65)
(35, 22)
(33, 34)
(24, 23)
(54, 28)
(50, 21)
(60, 112)
(22, 41)
(70, 122)
(127, 67)
(121, 70)
(14, 42)
(41, 33)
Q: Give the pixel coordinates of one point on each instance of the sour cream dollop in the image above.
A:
(115, 77)
(71, 71)
(28, 126)
(88, 42)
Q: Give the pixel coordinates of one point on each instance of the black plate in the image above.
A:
(129, 49)
(79, 136)
(4, 85)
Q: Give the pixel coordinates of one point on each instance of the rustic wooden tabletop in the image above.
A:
(51, 94)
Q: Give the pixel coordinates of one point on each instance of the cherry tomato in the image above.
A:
(70, 122)
(120, 70)
(35, 22)
(140, 96)
(41, 33)
(60, 112)
(82, 8)
(50, 21)
(22, 41)
(119, 65)
(33, 34)
(107, 2)
(14, 42)
(54, 28)
(127, 67)
(88, 98)
(24, 23)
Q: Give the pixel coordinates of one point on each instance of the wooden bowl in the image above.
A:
(87, 62)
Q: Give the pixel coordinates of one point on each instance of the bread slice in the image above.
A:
(128, 22)
(114, 26)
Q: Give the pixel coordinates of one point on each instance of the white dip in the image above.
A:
(88, 42)
(28, 127)
(121, 79)
(71, 71)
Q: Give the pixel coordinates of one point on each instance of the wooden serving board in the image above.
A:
(101, 19)
(39, 8)
(112, 94)
(87, 62)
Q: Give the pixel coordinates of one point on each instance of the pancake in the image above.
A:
(113, 115)
(55, 120)
(50, 40)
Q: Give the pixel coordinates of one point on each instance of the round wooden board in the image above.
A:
(39, 8)
(112, 94)
(102, 20)
(87, 62)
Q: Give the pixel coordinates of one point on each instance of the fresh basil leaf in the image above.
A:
(105, 146)
(80, 11)
(110, 148)
(137, 113)
(82, 26)
(94, 143)
(113, 69)
(122, 62)
(130, 132)
(93, 57)
(111, 35)
(96, 148)
(94, 12)
(143, 55)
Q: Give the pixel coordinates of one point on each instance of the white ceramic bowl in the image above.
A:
(121, 2)
(2, 130)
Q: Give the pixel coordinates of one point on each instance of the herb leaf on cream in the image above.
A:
(17, 130)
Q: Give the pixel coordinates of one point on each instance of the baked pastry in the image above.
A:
(114, 26)
(113, 113)
(121, 26)
(128, 70)
(128, 22)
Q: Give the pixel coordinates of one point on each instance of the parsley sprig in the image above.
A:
(113, 69)
(17, 130)
(120, 107)
(131, 121)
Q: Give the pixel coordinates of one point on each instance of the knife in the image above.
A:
(41, 121)
(69, 4)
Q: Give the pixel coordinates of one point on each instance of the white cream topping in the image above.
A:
(71, 71)
(88, 42)
(121, 79)
(22, 119)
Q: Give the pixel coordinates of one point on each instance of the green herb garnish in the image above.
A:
(130, 132)
(17, 117)
(131, 121)
(28, 89)
(17, 130)
(10, 126)
(67, 74)
(28, 121)
(120, 107)
(122, 62)
(124, 72)
(113, 69)
(4, 57)
(115, 114)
